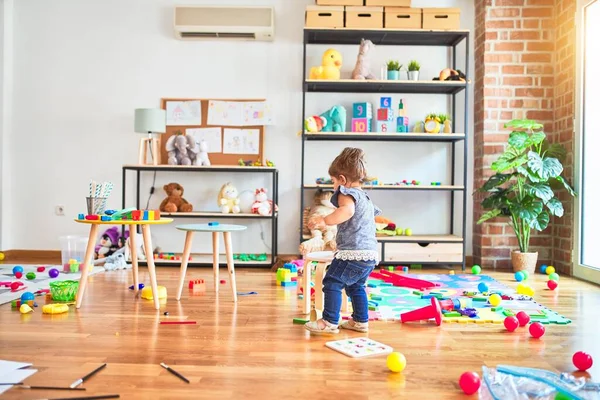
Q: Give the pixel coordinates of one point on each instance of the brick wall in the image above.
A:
(516, 77)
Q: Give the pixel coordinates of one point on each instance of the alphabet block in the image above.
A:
(383, 114)
(402, 124)
(383, 126)
(362, 110)
(361, 125)
(385, 102)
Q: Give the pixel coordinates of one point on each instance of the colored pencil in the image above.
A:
(50, 387)
(178, 322)
(177, 374)
(81, 380)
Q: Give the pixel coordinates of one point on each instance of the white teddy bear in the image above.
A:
(202, 157)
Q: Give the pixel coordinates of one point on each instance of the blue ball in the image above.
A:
(17, 268)
(543, 268)
(483, 288)
(27, 296)
(519, 276)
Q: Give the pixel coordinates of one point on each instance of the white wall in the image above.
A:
(82, 67)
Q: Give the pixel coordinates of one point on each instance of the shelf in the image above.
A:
(214, 214)
(379, 37)
(191, 168)
(440, 188)
(389, 137)
(208, 259)
(415, 239)
(377, 86)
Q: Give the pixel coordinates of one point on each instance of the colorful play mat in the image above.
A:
(388, 302)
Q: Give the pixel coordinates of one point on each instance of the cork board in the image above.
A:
(216, 158)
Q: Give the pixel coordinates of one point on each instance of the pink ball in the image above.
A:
(552, 284)
(511, 323)
(582, 361)
(523, 318)
(469, 382)
(14, 285)
(537, 330)
(18, 275)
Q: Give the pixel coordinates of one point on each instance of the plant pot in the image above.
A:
(413, 75)
(524, 261)
(392, 75)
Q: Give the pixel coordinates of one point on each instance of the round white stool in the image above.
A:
(323, 259)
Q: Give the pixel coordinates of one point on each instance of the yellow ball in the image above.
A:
(529, 292)
(495, 300)
(550, 270)
(396, 362)
(521, 288)
(1, 256)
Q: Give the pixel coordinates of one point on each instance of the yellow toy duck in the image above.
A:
(330, 66)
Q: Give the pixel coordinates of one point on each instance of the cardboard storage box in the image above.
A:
(441, 18)
(324, 17)
(364, 17)
(341, 2)
(388, 3)
(403, 18)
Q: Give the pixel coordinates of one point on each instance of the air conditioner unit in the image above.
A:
(224, 22)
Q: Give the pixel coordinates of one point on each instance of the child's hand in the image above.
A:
(316, 223)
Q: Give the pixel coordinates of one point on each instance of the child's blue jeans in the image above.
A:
(351, 276)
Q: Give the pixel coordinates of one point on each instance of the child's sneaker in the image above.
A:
(326, 327)
(355, 326)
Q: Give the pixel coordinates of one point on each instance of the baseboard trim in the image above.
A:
(32, 256)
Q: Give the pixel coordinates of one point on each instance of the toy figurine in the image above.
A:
(331, 64)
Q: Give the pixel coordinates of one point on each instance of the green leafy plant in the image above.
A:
(442, 118)
(414, 66)
(526, 175)
(393, 65)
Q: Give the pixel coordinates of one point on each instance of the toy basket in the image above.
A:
(64, 290)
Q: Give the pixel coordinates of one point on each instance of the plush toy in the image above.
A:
(448, 74)
(262, 205)
(384, 226)
(331, 64)
(315, 123)
(322, 237)
(109, 243)
(140, 251)
(202, 157)
(181, 149)
(174, 201)
(362, 69)
(336, 119)
(246, 201)
(228, 199)
(116, 261)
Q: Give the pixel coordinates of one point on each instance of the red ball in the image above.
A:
(552, 284)
(523, 318)
(14, 286)
(511, 323)
(582, 361)
(469, 382)
(18, 275)
(537, 330)
(41, 269)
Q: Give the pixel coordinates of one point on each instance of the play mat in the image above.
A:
(388, 302)
(42, 279)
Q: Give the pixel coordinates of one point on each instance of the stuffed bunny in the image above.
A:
(178, 148)
(202, 158)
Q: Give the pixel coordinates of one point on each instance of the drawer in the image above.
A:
(324, 17)
(340, 2)
(364, 17)
(441, 18)
(388, 3)
(423, 252)
(403, 18)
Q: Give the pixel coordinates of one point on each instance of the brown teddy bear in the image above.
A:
(174, 201)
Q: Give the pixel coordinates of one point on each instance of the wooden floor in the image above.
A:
(253, 350)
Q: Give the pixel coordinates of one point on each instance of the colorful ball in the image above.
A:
(525, 274)
(53, 273)
(14, 286)
(511, 323)
(537, 330)
(396, 362)
(469, 382)
(552, 284)
(521, 288)
(17, 268)
(476, 270)
(483, 288)
(550, 270)
(553, 276)
(30, 275)
(523, 318)
(519, 276)
(582, 361)
(543, 268)
(1, 256)
(41, 269)
(27, 296)
(18, 275)
(529, 291)
(495, 300)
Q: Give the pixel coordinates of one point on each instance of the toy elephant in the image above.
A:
(182, 150)
(336, 119)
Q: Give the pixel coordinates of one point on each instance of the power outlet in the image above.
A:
(59, 210)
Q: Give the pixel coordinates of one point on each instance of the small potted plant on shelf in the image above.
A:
(522, 187)
(445, 122)
(393, 70)
(413, 70)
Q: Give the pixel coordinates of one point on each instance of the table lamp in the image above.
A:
(150, 121)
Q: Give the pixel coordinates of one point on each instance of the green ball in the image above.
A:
(30, 275)
(562, 396)
(553, 277)
(525, 274)
(476, 270)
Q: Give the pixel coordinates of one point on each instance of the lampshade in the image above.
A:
(150, 120)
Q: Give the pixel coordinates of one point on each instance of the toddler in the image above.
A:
(356, 253)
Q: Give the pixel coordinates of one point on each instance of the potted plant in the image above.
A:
(445, 122)
(393, 70)
(522, 187)
(413, 70)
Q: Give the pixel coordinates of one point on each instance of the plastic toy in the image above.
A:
(495, 300)
(552, 284)
(335, 118)
(25, 308)
(543, 268)
(553, 277)
(537, 330)
(519, 276)
(359, 347)
(197, 285)
(287, 276)
(2, 256)
(331, 63)
(550, 270)
(222, 281)
(55, 308)
(483, 288)
(18, 275)
(469, 382)
(140, 286)
(396, 362)
(147, 293)
(166, 313)
(582, 361)
(428, 312)
(316, 123)
(30, 276)
(511, 323)
(525, 274)
(476, 269)
(27, 296)
(523, 318)
(41, 269)
(14, 286)
(17, 268)
(404, 281)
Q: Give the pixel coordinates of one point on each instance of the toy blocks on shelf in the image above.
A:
(385, 102)
(402, 124)
(361, 125)
(362, 110)
(285, 276)
(197, 285)
(383, 126)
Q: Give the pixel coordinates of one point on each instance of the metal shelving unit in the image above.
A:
(203, 260)
(391, 37)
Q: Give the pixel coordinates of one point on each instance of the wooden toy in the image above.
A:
(359, 347)
(383, 114)
(383, 126)
(197, 285)
(362, 110)
(385, 102)
(361, 125)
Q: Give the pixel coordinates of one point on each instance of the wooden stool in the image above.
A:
(215, 229)
(323, 259)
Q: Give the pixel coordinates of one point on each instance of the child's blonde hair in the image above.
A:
(351, 164)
